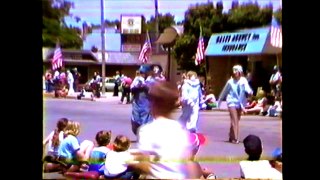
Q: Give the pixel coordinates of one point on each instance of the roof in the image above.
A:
(121, 58)
(71, 55)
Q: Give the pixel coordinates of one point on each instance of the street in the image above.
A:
(217, 154)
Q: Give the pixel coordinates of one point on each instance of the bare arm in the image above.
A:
(46, 140)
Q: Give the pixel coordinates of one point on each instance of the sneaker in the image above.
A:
(235, 141)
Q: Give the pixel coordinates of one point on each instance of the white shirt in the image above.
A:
(50, 148)
(116, 162)
(259, 170)
(170, 142)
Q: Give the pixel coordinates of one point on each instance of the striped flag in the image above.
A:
(275, 34)
(57, 58)
(146, 50)
(200, 49)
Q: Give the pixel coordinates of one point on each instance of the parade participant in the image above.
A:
(191, 95)
(140, 105)
(235, 91)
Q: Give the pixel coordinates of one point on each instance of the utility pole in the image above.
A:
(157, 23)
(103, 48)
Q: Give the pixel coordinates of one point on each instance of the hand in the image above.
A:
(244, 110)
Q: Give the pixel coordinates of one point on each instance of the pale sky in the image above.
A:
(90, 10)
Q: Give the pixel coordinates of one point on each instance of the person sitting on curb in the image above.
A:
(253, 167)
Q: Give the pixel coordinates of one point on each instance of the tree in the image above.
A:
(213, 20)
(278, 15)
(204, 15)
(165, 21)
(54, 28)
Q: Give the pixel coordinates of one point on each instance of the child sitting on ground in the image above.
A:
(118, 160)
(52, 141)
(71, 153)
(99, 153)
(253, 167)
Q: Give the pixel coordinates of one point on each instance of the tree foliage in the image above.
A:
(213, 20)
(278, 15)
(165, 21)
(54, 27)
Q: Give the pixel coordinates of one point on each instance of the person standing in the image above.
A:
(191, 95)
(117, 83)
(76, 77)
(235, 91)
(70, 82)
(275, 82)
(126, 82)
(140, 104)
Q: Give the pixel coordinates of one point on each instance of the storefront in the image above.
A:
(249, 47)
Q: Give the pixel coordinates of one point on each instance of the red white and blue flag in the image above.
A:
(146, 50)
(275, 34)
(200, 49)
(57, 58)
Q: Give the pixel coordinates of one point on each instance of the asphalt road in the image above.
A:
(217, 154)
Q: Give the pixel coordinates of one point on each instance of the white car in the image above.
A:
(109, 84)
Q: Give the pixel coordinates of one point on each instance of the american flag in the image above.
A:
(275, 34)
(200, 49)
(146, 50)
(57, 58)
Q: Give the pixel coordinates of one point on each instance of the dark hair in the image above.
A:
(61, 124)
(163, 98)
(253, 147)
(103, 137)
(121, 143)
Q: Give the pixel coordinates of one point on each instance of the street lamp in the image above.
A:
(103, 48)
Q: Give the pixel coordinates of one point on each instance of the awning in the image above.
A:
(244, 42)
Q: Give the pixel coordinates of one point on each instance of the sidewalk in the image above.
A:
(108, 97)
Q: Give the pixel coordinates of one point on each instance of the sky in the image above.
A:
(90, 10)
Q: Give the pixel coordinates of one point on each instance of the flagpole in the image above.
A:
(103, 48)
(157, 23)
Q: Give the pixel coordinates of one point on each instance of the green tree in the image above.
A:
(278, 15)
(213, 20)
(165, 21)
(204, 15)
(54, 28)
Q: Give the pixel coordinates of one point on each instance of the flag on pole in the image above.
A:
(57, 57)
(146, 50)
(275, 34)
(200, 49)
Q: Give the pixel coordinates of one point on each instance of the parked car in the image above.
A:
(109, 85)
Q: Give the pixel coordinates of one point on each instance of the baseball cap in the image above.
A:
(145, 68)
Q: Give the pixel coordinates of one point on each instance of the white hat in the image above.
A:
(237, 68)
